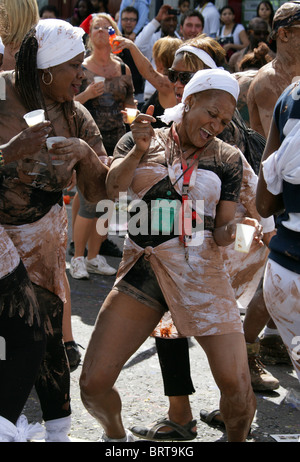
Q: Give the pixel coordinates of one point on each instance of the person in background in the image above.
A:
(82, 10)
(275, 76)
(105, 101)
(183, 7)
(18, 18)
(163, 53)
(100, 6)
(48, 12)
(248, 68)
(129, 18)
(257, 32)
(265, 11)
(231, 36)
(47, 75)
(211, 17)
(162, 25)
(142, 6)
(191, 24)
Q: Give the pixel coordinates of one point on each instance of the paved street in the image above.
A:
(140, 383)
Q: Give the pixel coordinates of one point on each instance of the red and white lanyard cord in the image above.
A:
(187, 214)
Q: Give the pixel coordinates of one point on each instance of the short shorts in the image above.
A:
(141, 283)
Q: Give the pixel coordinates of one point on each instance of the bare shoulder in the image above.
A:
(273, 78)
(263, 78)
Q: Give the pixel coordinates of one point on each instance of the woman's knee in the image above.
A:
(92, 386)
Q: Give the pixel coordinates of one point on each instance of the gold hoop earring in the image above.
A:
(43, 78)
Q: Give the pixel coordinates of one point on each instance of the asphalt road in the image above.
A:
(140, 382)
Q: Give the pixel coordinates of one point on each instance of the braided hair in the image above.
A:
(28, 81)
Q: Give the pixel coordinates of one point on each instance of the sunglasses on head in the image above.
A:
(184, 77)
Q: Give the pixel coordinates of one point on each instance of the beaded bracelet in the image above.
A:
(1, 158)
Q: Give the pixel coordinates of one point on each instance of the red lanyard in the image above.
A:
(187, 214)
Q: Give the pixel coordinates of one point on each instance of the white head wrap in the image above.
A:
(201, 54)
(207, 79)
(58, 42)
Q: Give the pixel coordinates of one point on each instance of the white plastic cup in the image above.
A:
(131, 114)
(244, 237)
(52, 140)
(99, 78)
(34, 117)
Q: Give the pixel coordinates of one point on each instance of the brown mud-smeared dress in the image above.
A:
(245, 270)
(106, 109)
(197, 290)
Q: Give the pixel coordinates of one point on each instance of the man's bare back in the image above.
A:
(265, 89)
(275, 76)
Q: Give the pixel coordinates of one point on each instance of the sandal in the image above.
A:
(178, 433)
(210, 418)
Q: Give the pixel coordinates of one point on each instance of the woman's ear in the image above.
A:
(190, 101)
(283, 34)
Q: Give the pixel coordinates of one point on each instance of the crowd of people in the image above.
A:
(205, 141)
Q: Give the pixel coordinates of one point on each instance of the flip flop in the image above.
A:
(210, 418)
(178, 433)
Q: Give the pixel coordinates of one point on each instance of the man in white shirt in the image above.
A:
(162, 25)
(211, 17)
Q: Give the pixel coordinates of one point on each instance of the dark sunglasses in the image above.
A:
(184, 77)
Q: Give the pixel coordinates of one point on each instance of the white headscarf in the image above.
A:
(207, 79)
(201, 54)
(58, 42)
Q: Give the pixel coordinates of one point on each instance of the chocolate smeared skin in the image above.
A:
(273, 78)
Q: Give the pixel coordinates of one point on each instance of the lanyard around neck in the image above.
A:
(187, 214)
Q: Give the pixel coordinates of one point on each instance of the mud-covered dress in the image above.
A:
(106, 109)
(155, 268)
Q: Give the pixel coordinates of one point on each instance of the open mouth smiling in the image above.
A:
(205, 134)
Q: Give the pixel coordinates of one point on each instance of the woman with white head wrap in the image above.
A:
(244, 270)
(33, 219)
(168, 265)
(207, 80)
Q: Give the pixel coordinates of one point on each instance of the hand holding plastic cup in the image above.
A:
(244, 237)
(99, 78)
(34, 117)
(52, 140)
(131, 114)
